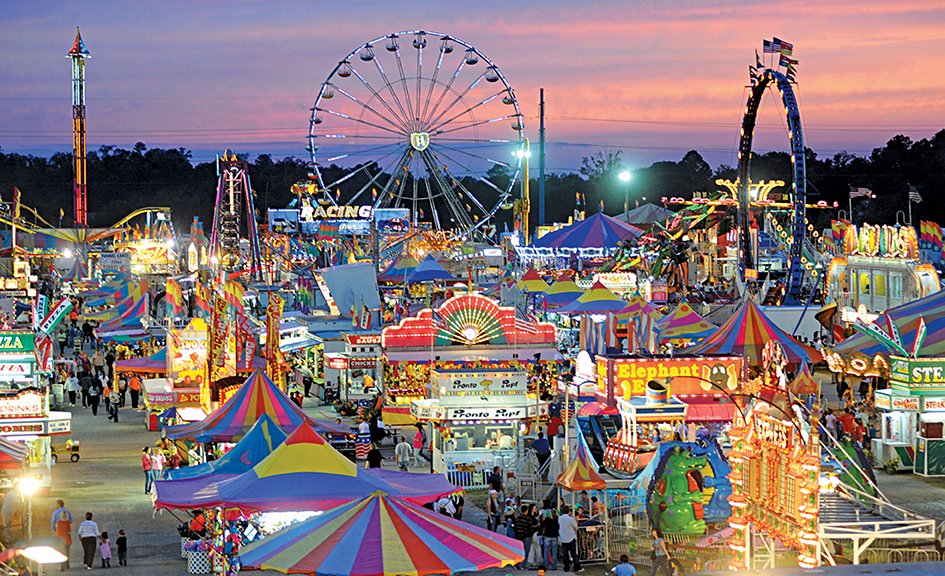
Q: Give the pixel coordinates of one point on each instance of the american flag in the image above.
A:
(438, 319)
(860, 192)
(914, 195)
(776, 45)
(524, 322)
(769, 48)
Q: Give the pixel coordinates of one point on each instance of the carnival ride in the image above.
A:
(234, 194)
(423, 138)
(764, 78)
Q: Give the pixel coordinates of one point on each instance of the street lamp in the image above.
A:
(27, 487)
(625, 177)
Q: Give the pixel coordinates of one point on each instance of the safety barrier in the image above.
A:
(469, 476)
(897, 555)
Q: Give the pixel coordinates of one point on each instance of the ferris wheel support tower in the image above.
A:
(78, 54)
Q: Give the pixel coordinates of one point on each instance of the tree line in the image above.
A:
(121, 181)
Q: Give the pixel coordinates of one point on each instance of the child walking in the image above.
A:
(106, 548)
(122, 543)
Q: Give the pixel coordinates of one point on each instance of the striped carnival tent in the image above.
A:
(76, 272)
(107, 288)
(382, 536)
(683, 326)
(233, 420)
(154, 364)
(563, 291)
(930, 309)
(13, 455)
(597, 231)
(804, 382)
(643, 317)
(129, 307)
(302, 473)
(129, 289)
(580, 473)
(747, 332)
(399, 269)
(597, 300)
(259, 442)
(531, 282)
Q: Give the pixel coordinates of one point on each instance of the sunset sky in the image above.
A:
(651, 78)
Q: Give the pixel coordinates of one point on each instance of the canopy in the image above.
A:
(684, 326)
(804, 383)
(637, 306)
(646, 215)
(233, 420)
(563, 291)
(580, 474)
(597, 300)
(906, 317)
(127, 290)
(129, 311)
(532, 282)
(428, 271)
(398, 269)
(747, 332)
(259, 442)
(382, 536)
(154, 364)
(107, 288)
(12, 454)
(76, 272)
(597, 231)
(304, 473)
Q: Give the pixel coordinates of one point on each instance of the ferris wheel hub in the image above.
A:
(420, 141)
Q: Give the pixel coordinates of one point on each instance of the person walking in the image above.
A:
(549, 531)
(106, 550)
(524, 528)
(660, 554)
(64, 534)
(110, 364)
(98, 363)
(402, 453)
(374, 457)
(95, 395)
(146, 466)
(625, 568)
(60, 509)
(63, 341)
(134, 384)
(419, 440)
(85, 382)
(113, 402)
(88, 535)
(71, 388)
(122, 390)
(543, 451)
(76, 343)
(122, 543)
(567, 538)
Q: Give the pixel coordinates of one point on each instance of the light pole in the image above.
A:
(625, 178)
(28, 487)
(523, 154)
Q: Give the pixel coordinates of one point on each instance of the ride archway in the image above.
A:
(767, 77)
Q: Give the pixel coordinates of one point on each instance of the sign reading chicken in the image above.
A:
(695, 376)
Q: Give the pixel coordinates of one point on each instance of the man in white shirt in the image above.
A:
(364, 427)
(402, 452)
(445, 506)
(567, 539)
(88, 532)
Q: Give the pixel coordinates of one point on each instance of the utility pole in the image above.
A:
(541, 158)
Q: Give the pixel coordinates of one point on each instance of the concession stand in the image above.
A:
(477, 416)
(913, 416)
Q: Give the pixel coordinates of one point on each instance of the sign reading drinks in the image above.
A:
(917, 376)
(26, 404)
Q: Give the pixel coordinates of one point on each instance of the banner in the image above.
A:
(55, 316)
(245, 342)
(273, 354)
(216, 355)
(43, 350)
(174, 297)
(40, 309)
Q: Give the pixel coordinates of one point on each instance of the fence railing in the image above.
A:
(897, 555)
(469, 476)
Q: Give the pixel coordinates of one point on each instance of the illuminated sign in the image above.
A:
(338, 363)
(933, 403)
(114, 261)
(685, 376)
(57, 427)
(882, 402)
(187, 353)
(514, 382)
(16, 368)
(26, 404)
(362, 363)
(16, 342)
(773, 432)
(36, 428)
(363, 339)
(478, 413)
(922, 374)
(882, 241)
(616, 279)
(347, 212)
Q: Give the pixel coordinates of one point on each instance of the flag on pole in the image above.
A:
(786, 49)
(776, 45)
(62, 213)
(860, 192)
(785, 61)
(601, 206)
(524, 322)
(365, 316)
(16, 202)
(354, 315)
(914, 195)
(758, 64)
(920, 334)
(768, 48)
(438, 320)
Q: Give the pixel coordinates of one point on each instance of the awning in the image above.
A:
(298, 344)
(710, 413)
(467, 355)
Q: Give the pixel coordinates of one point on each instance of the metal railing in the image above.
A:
(897, 555)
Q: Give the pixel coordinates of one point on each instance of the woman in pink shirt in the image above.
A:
(146, 466)
(157, 464)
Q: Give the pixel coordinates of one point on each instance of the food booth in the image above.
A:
(357, 372)
(913, 416)
(186, 369)
(477, 417)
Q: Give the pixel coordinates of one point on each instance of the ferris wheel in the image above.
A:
(418, 120)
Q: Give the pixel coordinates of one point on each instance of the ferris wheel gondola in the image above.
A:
(392, 130)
